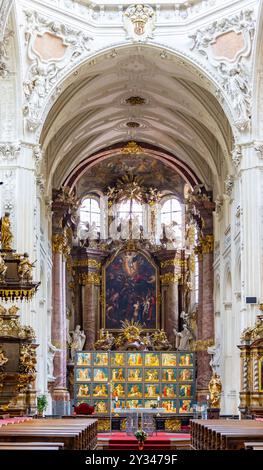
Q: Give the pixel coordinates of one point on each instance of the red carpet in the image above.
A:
(120, 440)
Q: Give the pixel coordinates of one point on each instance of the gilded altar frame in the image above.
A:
(157, 288)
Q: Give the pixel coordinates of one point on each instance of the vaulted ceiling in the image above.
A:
(172, 111)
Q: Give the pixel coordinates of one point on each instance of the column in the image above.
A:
(205, 319)
(170, 276)
(60, 394)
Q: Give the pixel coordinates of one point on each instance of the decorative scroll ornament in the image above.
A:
(44, 73)
(132, 148)
(235, 76)
(28, 359)
(9, 151)
(253, 333)
(89, 278)
(202, 345)
(138, 22)
(60, 244)
(236, 155)
(229, 184)
(4, 56)
(207, 243)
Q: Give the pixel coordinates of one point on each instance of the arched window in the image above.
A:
(131, 209)
(171, 212)
(89, 212)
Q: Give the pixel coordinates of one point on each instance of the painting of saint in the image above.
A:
(118, 375)
(169, 391)
(150, 375)
(83, 374)
(152, 359)
(83, 391)
(101, 375)
(152, 390)
(100, 390)
(169, 359)
(130, 290)
(118, 390)
(134, 403)
(185, 406)
(135, 359)
(83, 359)
(185, 375)
(134, 391)
(118, 404)
(134, 375)
(169, 406)
(101, 406)
(186, 359)
(169, 375)
(117, 359)
(149, 403)
(186, 390)
(101, 359)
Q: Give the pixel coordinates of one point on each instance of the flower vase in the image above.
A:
(141, 445)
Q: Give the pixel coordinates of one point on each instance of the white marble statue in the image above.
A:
(76, 341)
(51, 351)
(185, 337)
(215, 352)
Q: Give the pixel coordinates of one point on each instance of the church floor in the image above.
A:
(159, 441)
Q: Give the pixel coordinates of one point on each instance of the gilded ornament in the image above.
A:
(170, 278)
(202, 345)
(3, 358)
(3, 269)
(253, 333)
(207, 243)
(17, 294)
(172, 425)
(25, 268)
(103, 424)
(105, 342)
(174, 262)
(89, 278)
(215, 389)
(6, 234)
(60, 244)
(24, 380)
(132, 148)
(27, 360)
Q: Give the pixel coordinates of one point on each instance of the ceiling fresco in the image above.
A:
(153, 172)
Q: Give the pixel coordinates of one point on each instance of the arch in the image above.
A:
(257, 89)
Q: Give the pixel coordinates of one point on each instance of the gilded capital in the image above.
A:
(89, 278)
(60, 244)
(170, 278)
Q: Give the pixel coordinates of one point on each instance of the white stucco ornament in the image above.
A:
(139, 22)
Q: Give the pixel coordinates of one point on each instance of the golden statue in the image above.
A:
(215, 389)
(105, 341)
(3, 358)
(6, 234)
(25, 269)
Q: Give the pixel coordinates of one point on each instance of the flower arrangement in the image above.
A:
(42, 404)
(141, 435)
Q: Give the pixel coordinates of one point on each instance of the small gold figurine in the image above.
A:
(3, 358)
(25, 269)
(215, 389)
(6, 234)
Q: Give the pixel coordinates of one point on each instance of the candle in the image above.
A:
(116, 399)
(158, 398)
(207, 397)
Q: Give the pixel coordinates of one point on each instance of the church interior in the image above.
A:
(131, 232)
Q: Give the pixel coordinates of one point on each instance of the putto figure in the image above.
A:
(25, 269)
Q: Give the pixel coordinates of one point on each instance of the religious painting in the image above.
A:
(117, 403)
(83, 391)
(135, 359)
(186, 359)
(185, 375)
(100, 406)
(150, 375)
(169, 405)
(117, 359)
(118, 374)
(150, 404)
(169, 391)
(134, 390)
(169, 375)
(134, 375)
(186, 391)
(101, 375)
(83, 374)
(130, 290)
(100, 390)
(169, 359)
(83, 359)
(118, 390)
(185, 406)
(100, 359)
(134, 403)
(152, 359)
(151, 390)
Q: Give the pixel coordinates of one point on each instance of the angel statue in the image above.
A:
(25, 269)
(185, 337)
(215, 352)
(76, 341)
